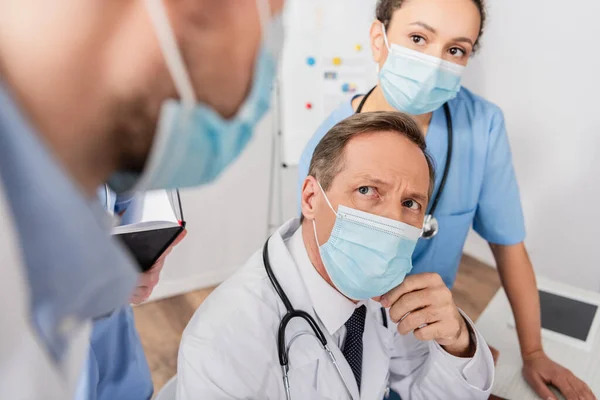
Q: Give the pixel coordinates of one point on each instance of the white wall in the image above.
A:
(540, 63)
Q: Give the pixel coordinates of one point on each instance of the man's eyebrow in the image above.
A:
(420, 197)
(369, 179)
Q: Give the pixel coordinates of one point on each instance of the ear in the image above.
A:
(307, 197)
(378, 47)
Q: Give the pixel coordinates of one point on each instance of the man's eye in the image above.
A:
(411, 204)
(366, 190)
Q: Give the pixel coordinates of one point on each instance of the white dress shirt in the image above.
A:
(229, 349)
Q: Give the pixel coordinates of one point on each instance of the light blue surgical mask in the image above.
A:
(367, 255)
(417, 83)
(194, 144)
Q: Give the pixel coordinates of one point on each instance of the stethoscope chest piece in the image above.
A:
(430, 227)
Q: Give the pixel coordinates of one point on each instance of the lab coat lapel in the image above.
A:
(343, 364)
(290, 279)
(377, 347)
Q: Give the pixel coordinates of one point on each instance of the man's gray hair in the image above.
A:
(328, 158)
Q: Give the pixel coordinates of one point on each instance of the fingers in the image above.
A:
(564, 385)
(410, 302)
(412, 283)
(150, 278)
(582, 388)
(579, 390)
(140, 295)
(416, 319)
(430, 332)
(538, 385)
(571, 387)
(181, 236)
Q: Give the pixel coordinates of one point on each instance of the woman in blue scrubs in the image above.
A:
(421, 48)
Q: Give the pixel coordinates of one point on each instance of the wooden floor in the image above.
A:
(161, 323)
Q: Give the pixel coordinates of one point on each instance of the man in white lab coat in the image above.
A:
(363, 206)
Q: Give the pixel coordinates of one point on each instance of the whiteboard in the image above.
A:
(326, 61)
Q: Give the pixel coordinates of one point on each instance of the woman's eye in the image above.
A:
(366, 190)
(457, 52)
(418, 40)
(413, 205)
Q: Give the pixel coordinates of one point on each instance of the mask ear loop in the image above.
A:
(326, 199)
(170, 49)
(385, 39)
(330, 206)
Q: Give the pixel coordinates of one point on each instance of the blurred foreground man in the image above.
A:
(143, 94)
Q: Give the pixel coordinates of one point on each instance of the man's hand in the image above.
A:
(149, 279)
(540, 371)
(424, 304)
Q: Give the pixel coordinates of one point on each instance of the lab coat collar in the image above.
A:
(286, 270)
(332, 308)
(376, 352)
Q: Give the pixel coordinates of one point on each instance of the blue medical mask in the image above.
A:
(194, 144)
(417, 83)
(367, 255)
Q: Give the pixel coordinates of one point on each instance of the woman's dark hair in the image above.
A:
(386, 8)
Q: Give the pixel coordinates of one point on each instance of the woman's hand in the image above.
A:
(540, 371)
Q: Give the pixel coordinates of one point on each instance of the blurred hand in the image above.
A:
(540, 371)
(149, 279)
(423, 304)
(495, 354)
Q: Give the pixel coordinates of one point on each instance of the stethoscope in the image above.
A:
(283, 350)
(430, 223)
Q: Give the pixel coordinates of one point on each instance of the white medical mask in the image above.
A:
(417, 83)
(367, 255)
(194, 144)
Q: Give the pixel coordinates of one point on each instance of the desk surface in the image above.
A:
(497, 327)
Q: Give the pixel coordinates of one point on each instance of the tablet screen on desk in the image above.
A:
(566, 316)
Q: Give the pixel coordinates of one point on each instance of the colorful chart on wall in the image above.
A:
(326, 60)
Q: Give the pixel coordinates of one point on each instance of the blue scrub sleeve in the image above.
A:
(499, 216)
(122, 203)
(342, 112)
(306, 157)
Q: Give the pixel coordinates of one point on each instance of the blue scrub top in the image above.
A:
(116, 368)
(481, 189)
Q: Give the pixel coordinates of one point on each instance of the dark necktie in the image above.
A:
(353, 346)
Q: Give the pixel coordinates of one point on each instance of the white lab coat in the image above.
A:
(26, 370)
(229, 351)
